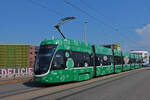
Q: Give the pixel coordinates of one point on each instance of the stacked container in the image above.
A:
(14, 56)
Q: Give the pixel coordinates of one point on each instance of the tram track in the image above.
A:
(61, 90)
(98, 85)
(18, 92)
(13, 90)
(59, 95)
(21, 89)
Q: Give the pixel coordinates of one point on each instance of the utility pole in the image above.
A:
(85, 29)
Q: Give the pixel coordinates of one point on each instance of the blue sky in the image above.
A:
(22, 21)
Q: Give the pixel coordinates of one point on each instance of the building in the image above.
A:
(32, 55)
(115, 46)
(17, 55)
(143, 54)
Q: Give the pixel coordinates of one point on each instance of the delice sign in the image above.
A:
(15, 71)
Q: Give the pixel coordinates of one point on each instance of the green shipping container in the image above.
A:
(14, 56)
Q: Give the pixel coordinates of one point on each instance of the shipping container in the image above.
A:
(16, 56)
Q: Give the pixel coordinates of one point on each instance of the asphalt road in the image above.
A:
(133, 85)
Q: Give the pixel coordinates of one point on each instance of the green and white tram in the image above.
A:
(65, 60)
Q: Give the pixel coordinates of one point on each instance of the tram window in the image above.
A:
(123, 62)
(103, 60)
(87, 59)
(130, 60)
(80, 59)
(117, 60)
(126, 60)
(107, 60)
(139, 61)
(99, 60)
(59, 61)
(77, 58)
(134, 60)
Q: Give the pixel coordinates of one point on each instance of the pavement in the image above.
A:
(13, 80)
(130, 85)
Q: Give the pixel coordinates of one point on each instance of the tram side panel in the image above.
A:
(104, 65)
(126, 64)
(118, 61)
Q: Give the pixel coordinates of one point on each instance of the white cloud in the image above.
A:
(145, 36)
(144, 30)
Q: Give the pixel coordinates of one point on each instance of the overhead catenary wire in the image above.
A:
(91, 16)
(50, 10)
(96, 19)
(74, 6)
(94, 9)
(62, 15)
(101, 14)
(59, 14)
(97, 11)
(46, 7)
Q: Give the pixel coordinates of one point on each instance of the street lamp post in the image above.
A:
(85, 29)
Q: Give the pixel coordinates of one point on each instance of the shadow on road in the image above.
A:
(147, 69)
(32, 83)
(35, 84)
